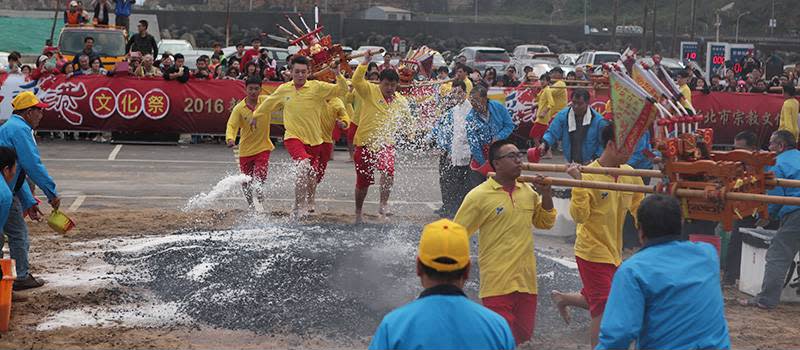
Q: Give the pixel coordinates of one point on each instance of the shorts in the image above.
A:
(367, 162)
(351, 133)
(596, 279)
(326, 149)
(255, 166)
(300, 151)
(519, 310)
(537, 131)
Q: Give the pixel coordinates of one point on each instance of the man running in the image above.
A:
(335, 116)
(381, 111)
(600, 215)
(303, 103)
(506, 211)
(254, 143)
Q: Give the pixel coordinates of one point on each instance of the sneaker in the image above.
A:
(28, 282)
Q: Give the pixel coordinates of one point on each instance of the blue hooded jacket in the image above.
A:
(787, 166)
(559, 131)
(482, 132)
(123, 7)
(17, 134)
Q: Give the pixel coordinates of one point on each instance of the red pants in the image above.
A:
(300, 151)
(255, 166)
(519, 309)
(596, 279)
(367, 162)
(537, 131)
(351, 133)
(326, 149)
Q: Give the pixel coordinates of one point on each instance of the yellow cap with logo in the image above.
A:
(25, 100)
(444, 239)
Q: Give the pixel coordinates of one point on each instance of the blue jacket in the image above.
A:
(123, 7)
(638, 159)
(5, 204)
(442, 132)
(481, 133)
(17, 134)
(787, 166)
(559, 131)
(666, 296)
(442, 318)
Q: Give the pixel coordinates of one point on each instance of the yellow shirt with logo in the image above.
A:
(559, 92)
(448, 86)
(505, 244)
(600, 215)
(686, 92)
(302, 108)
(378, 120)
(335, 111)
(252, 139)
(544, 100)
(789, 115)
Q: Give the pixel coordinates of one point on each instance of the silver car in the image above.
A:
(483, 58)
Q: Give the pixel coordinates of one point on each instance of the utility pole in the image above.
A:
(53, 28)
(614, 26)
(655, 6)
(772, 21)
(476, 11)
(644, 27)
(228, 24)
(674, 30)
(694, 13)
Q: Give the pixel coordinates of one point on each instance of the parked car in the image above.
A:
(276, 53)
(523, 51)
(4, 58)
(541, 63)
(672, 65)
(590, 59)
(174, 46)
(568, 58)
(482, 58)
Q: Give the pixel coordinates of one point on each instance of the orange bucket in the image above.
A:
(6, 285)
(60, 222)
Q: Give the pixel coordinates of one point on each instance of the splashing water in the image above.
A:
(224, 186)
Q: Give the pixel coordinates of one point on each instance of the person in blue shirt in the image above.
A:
(443, 317)
(8, 168)
(668, 294)
(578, 128)
(644, 155)
(786, 243)
(488, 121)
(122, 13)
(17, 133)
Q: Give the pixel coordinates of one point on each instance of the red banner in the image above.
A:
(203, 106)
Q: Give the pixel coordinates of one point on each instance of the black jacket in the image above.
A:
(144, 44)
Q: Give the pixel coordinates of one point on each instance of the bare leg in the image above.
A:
(564, 300)
(361, 195)
(595, 330)
(312, 193)
(248, 193)
(301, 188)
(387, 181)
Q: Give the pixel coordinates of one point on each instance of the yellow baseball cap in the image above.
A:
(444, 239)
(25, 100)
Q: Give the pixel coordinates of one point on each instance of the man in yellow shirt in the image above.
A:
(506, 211)
(381, 108)
(303, 103)
(254, 143)
(600, 215)
(558, 90)
(544, 102)
(461, 74)
(686, 92)
(789, 111)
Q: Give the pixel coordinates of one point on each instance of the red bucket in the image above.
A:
(714, 240)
